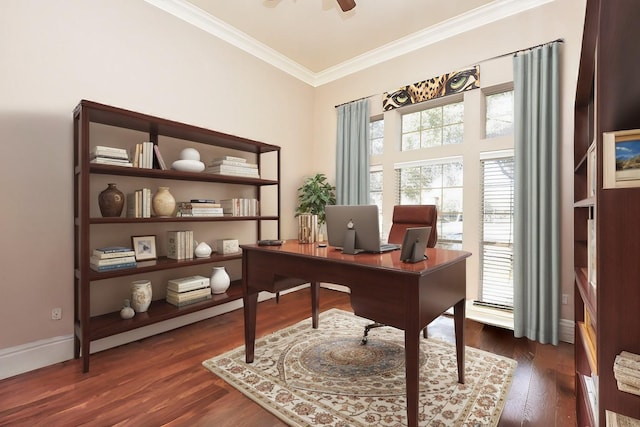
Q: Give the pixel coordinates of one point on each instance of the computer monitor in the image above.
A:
(414, 244)
(354, 228)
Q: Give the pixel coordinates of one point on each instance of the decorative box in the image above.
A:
(227, 246)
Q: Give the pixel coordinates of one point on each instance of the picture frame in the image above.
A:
(621, 159)
(144, 247)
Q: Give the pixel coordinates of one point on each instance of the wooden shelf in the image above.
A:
(110, 324)
(125, 220)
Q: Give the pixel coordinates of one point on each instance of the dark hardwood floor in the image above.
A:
(160, 380)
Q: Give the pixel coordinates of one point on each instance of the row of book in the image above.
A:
(144, 155)
(199, 208)
(104, 155)
(234, 166)
(112, 258)
(240, 207)
(188, 290)
(180, 244)
(139, 203)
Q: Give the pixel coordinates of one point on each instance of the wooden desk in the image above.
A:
(384, 289)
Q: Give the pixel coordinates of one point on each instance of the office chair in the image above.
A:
(408, 216)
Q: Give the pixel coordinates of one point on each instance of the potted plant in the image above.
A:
(315, 193)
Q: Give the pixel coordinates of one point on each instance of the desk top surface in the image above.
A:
(436, 257)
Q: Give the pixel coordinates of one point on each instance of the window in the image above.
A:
(433, 127)
(499, 120)
(376, 137)
(436, 182)
(375, 192)
(496, 236)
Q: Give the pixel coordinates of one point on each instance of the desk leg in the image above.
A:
(315, 298)
(250, 307)
(458, 318)
(412, 357)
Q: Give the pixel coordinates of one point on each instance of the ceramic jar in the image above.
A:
(220, 280)
(141, 295)
(202, 250)
(111, 201)
(163, 202)
(127, 312)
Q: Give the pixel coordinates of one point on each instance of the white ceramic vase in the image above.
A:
(220, 280)
(163, 202)
(127, 312)
(141, 295)
(202, 250)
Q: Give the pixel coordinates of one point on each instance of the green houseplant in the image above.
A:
(315, 193)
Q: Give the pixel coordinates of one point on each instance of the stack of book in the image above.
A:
(139, 203)
(110, 156)
(188, 290)
(240, 207)
(626, 370)
(235, 166)
(180, 244)
(112, 258)
(199, 208)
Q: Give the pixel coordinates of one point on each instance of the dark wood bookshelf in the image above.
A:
(90, 327)
(605, 314)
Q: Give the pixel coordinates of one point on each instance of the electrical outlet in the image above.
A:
(56, 313)
(565, 299)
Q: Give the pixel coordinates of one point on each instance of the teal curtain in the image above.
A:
(537, 197)
(352, 156)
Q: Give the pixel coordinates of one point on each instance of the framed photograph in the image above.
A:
(621, 159)
(144, 247)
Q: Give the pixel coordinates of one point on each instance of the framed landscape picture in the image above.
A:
(621, 159)
(144, 247)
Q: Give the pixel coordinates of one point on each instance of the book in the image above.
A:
(202, 201)
(111, 261)
(160, 161)
(101, 150)
(135, 156)
(112, 267)
(231, 158)
(112, 250)
(189, 283)
(189, 302)
(212, 211)
(236, 170)
(234, 163)
(188, 295)
(102, 255)
(105, 161)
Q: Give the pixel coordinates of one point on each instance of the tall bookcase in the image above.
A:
(99, 124)
(606, 220)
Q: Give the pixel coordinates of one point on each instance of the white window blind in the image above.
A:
(496, 234)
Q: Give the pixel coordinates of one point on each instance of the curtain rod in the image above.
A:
(515, 52)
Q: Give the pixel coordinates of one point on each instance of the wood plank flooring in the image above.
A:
(160, 380)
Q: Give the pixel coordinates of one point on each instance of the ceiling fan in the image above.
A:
(346, 5)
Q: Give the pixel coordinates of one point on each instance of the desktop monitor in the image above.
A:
(353, 228)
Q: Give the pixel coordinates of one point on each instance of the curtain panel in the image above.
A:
(537, 197)
(352, 156)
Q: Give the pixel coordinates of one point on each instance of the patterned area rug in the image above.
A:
(325, 377)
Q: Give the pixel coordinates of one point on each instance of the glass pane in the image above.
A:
(375, 181)
(410, 122)
(431, 176)
(377, 129)
(410, 141)
(499, 119)
(377, 146)
(452, 174)
(432, 118)
(432, 137)
(453, 134)
(376, 136)
(453, 113)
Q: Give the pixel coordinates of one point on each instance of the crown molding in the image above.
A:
(494, 11)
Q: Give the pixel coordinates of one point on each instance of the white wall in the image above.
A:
(132, 55)
(128, 54)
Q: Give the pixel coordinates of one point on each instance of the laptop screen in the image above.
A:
(362, 219)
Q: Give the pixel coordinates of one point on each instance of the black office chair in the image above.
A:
(408, 216)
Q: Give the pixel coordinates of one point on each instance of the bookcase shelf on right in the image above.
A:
(606, 220)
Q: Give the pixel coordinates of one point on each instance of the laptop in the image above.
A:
(355, 229)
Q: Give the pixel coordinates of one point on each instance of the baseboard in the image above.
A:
(567, 331)
(39, 354)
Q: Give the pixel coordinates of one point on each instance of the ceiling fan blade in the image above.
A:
(346, 5)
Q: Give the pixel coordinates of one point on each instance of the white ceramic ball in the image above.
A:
(190, 154)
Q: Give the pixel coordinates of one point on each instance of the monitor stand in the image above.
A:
(417, 253)
(349, 243)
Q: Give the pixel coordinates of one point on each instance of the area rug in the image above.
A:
(325, 377)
